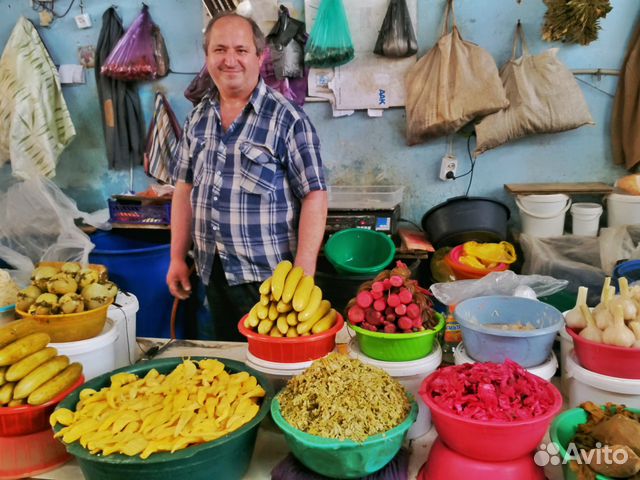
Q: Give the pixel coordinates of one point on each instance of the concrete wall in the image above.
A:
(356, 149)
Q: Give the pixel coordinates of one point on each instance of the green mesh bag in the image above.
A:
(330, 43)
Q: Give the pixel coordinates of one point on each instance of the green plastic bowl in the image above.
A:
(562, 430)
(397, 347)
(359, 251)
(344, 458)
(225, 458)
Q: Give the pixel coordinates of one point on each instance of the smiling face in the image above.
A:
(232, 58)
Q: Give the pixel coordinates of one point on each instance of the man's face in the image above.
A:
(232, 60)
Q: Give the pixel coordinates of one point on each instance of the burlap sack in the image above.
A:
(544, 98)
(452, 84)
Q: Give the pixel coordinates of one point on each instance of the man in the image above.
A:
(250, 187)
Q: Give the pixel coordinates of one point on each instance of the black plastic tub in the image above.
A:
(462, 219)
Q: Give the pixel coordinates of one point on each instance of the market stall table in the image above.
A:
(271, 447)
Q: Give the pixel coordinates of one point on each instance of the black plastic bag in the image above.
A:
(330, 43)
(396, 38)
(199, 86)
(286, 42)
(160, 52)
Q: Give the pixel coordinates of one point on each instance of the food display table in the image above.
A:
(270, 446)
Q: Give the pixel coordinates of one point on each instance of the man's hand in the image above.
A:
(178, 279)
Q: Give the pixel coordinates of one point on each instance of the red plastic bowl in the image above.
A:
(291, 350)
(489, 441)
(465, 272)
(619, 362)
(26, 456)
(27, 419)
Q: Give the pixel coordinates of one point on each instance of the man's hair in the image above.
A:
(258, 37)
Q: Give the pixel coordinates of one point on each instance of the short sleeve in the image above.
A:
(305, 169)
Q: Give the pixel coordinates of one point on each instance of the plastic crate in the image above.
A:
(139, 214)
(371, 197)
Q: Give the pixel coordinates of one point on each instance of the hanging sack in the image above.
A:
(396, 38)
(286, 41)
(330, 43)
(199, 86)
(162, 138)
(133, 56)
(544, 98)
(160, 52)
(452, 84)
(295, 89)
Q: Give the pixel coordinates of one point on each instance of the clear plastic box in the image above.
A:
(369, 197)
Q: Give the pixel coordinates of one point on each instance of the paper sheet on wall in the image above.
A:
(369, 81)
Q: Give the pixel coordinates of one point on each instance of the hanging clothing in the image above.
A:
(35, 124)
(164, 133)
(122, 119)
(625, 119)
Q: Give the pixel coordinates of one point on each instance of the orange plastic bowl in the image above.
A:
(619, 362)
(465, 272)
(291, 350)
(27, 419)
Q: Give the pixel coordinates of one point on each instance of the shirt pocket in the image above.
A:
(258, 171)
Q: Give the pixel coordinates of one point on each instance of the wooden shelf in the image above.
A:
(583, 188)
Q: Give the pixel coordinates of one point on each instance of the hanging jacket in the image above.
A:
(625, 119)
(35, 124)
(122, 118)
(164, 133)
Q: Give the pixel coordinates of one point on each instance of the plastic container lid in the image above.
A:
(597, 380)
(545, 371)
(276, 368)
(107, 337)
(401, 369)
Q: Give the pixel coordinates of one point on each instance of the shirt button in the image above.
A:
(215, 198)
(218, 173)
(214, 227)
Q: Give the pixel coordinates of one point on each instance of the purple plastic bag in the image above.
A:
(295, 89)
(133, 57)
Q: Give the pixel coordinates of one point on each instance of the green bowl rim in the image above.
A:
(329, 443)
(162, 457)
(553, 430)
(400, 336)
(365, 270)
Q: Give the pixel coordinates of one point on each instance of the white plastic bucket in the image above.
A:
(622, 209)
(410, 375)
(546, 370)
(585, 218)
(584, 385)
(543, 215)
(97, 355)
(277, 373)
(123, 313)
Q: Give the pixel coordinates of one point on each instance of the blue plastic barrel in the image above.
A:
(139, 266)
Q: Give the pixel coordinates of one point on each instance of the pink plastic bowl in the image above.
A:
(489, 441)
(604, 359)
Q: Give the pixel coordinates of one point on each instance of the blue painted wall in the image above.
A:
(356, 149)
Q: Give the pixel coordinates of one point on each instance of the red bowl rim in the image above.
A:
(452, 259)
(35, 408)
(612, 348)
(552, 412)
(252, 335)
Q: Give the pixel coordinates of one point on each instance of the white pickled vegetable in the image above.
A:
(629, 307)
(601, 313)
(618, 333)
(574, 317)
(635, 328)
(590, 332)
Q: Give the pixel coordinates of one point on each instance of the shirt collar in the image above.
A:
(255, 100)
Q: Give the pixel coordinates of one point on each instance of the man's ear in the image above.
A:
(261, 58)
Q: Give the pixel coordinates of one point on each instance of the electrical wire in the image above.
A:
(44, 7)
(473, 165)
(595, 88)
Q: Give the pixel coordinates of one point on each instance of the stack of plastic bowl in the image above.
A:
(225, 458)
(407, 357)
(601, 373)
(343, 458)
(484, 449)
(27, 446)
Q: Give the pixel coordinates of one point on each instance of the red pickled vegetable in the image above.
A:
(386, 283)
(396, 281)
(405, 295)
(380, 305)
(407, 330)
(401, 309)
(368, 326)
(373, 317)
(405, 323)
(355, 315)
(377, 294)
(393, 300)
(364, 299)
(390, 317)
(390, 328)
(388, 310)
(417, 322)
(413, 310)
(377, 287)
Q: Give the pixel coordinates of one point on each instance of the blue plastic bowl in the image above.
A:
(484, 343)
(630, 270)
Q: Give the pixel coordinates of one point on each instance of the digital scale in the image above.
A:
(369, 207)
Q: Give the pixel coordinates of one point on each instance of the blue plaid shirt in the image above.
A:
(248, 182)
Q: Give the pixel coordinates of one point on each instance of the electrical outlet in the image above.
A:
(449, 165)
(83, 20)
